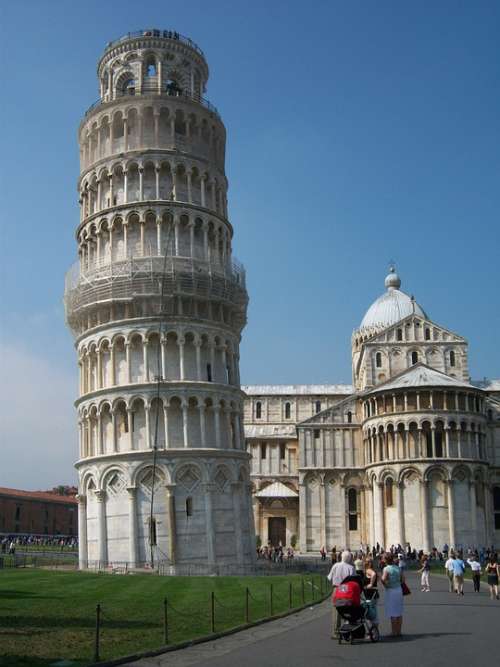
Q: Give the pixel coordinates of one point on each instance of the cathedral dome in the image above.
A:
(393, 306)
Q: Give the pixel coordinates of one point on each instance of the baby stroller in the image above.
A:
(355, 612)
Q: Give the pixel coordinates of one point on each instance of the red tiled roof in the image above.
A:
(37, 495)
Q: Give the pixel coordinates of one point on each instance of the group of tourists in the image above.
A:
(275, 554)
(371, 566)
(9, 543)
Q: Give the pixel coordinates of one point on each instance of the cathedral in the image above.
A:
(409, 454)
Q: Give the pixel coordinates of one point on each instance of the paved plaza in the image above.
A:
(439, 629)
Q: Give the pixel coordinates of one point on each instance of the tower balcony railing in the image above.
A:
(154, 32)
(150, 91)
(128, 278)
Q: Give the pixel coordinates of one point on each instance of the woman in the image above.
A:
(358, 566)
(392, 578)
(425, 571)
(492, 570)
(371, 587)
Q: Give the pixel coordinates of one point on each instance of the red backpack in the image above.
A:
(347, 595)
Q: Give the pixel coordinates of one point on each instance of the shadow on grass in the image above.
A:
(25, 595)
(65, 622)
(31, 661)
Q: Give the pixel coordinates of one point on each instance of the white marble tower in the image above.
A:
(157, 304)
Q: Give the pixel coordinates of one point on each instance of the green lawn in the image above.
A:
(46, 616)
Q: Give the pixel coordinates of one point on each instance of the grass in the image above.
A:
(46, 616)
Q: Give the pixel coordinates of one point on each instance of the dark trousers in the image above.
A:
(476, 579)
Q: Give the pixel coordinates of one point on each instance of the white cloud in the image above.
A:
(38, 431)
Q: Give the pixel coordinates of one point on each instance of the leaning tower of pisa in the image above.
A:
(157, 303)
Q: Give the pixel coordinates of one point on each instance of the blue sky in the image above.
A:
(358, 132)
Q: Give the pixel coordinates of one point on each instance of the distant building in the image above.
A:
(37, 513)
(410, 453)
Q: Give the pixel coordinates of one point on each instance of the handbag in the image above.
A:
(405, 588)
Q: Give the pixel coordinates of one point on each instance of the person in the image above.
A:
(475, 566)
(425, 571)
(492, 570)
(401, 562)
(448, 566)
(371, 587)
(322, 552)
(458, 574)
(336, 576)
(358, 566)
(392, 578)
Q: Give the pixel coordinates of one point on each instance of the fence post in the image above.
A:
(247, 606)
(290, 604)
(321, 584)
(212, 611)
(97, 632)
(303, 591)
(271, 598)
(165, 620)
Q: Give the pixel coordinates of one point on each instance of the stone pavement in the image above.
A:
(439, 629)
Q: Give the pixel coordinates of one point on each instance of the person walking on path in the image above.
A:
(458, 574)
(392, 578)
(492, 570)
(336, 576)
(475, 566)
(448, 566)
(425, 571)
(371, 587)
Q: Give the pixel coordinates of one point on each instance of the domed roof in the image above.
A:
(393, 306)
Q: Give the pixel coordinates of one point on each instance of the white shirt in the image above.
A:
(449, 564)
(339, 572)
(475, 565)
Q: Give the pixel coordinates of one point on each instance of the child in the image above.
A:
(425, 570)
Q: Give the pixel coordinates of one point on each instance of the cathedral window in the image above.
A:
(316, 433)
(399, 334)
(452, 358)
(427, 334)
(352, 503)
(152, 532)
(263, 450)
(282, 451)
(317, 406)
(378, 360)
(496, 506)
(288, 410)
(258, 410)
(414, 358)
(209, 372)
(349, 417)
(189, 506)
(389, 492)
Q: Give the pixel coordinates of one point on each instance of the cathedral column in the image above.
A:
(237, 512)
(171, 526)
(424, 509)
(473, 510)
(180, 344)
(82, 532)
(379, 506)
(164, 358)
(209, 524)
(185, 442)
(451, 512)
(322, 511)
(303, 517)
(132, 526)
(401, 515)
(203, 434)
(165, 422)
(128, 363)
(197, 345)
(157, 196)
(101, 528)
(447, 441)
(147, 412)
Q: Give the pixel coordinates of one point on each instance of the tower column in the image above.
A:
(132, 526)
(101, 527)
(82, 531)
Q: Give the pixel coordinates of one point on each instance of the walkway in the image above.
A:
(441, 629)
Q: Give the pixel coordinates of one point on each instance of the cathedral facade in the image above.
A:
(409, 454)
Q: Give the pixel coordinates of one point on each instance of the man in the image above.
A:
(458, 574)
(475, 566)
(336, 576)
(448, 566)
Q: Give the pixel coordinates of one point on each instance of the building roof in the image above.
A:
(297, 389)
(270, 431)
(487, 385)
(421, 375)
(277, 490)
(393, 306)
(38, 495)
